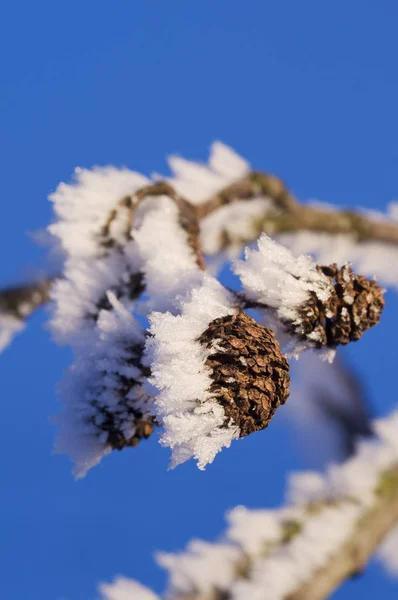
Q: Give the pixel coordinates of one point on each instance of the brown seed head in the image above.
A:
(354, 306)
(250, 375)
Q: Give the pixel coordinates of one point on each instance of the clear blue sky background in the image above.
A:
(308, 90)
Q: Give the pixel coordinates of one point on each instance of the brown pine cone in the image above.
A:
(250, 375)
(354, 306)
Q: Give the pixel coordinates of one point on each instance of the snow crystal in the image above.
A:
(254, 530)
(168, 261)
(272, 276)
(82, 206)
(90, 387)
(203, 567)
(125, 589)
(369, 258)
(198, 182)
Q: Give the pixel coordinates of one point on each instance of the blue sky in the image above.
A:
(307, 90)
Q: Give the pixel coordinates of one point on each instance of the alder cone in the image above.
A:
(354, 306)
(250, 375)
(130, 413)
(144, 427)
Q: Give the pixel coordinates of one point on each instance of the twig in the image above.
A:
(292, 216)
(21, 301)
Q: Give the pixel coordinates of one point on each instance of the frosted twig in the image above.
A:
(328, 530)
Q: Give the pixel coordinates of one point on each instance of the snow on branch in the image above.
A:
(236, 204)
(93, 228)
(328, 530)
(204, 370)
(125, 589)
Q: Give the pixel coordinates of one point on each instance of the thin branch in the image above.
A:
(21, 301)
(292, 216)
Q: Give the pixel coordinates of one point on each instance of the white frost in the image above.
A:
(197, 182)
(202, 567)
(168, 262)
(91, 387)
(369, 258)
(272, 276)
(125, 589)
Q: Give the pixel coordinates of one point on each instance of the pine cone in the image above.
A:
(144, 427)
(354, 306)
(130, 413)
(250, 375)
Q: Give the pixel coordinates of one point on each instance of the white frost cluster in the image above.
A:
(203, 567)
(91, 389)
(256, 530)
(94, 274)
(168, 262)
(194, 422)
(369, 258)
(278, 563)
(81, 209)
(273, 276)
(198, 182)
(125, 589)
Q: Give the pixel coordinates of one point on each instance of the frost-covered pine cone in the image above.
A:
(355, 305)
(250, 375)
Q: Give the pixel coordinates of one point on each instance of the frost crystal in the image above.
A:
(198, 182)
(203, 567)
(126, 589)
(371, 258)
(194, 423)
(168, 262)
(99, 257)
(272, 276)
(104, 404)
